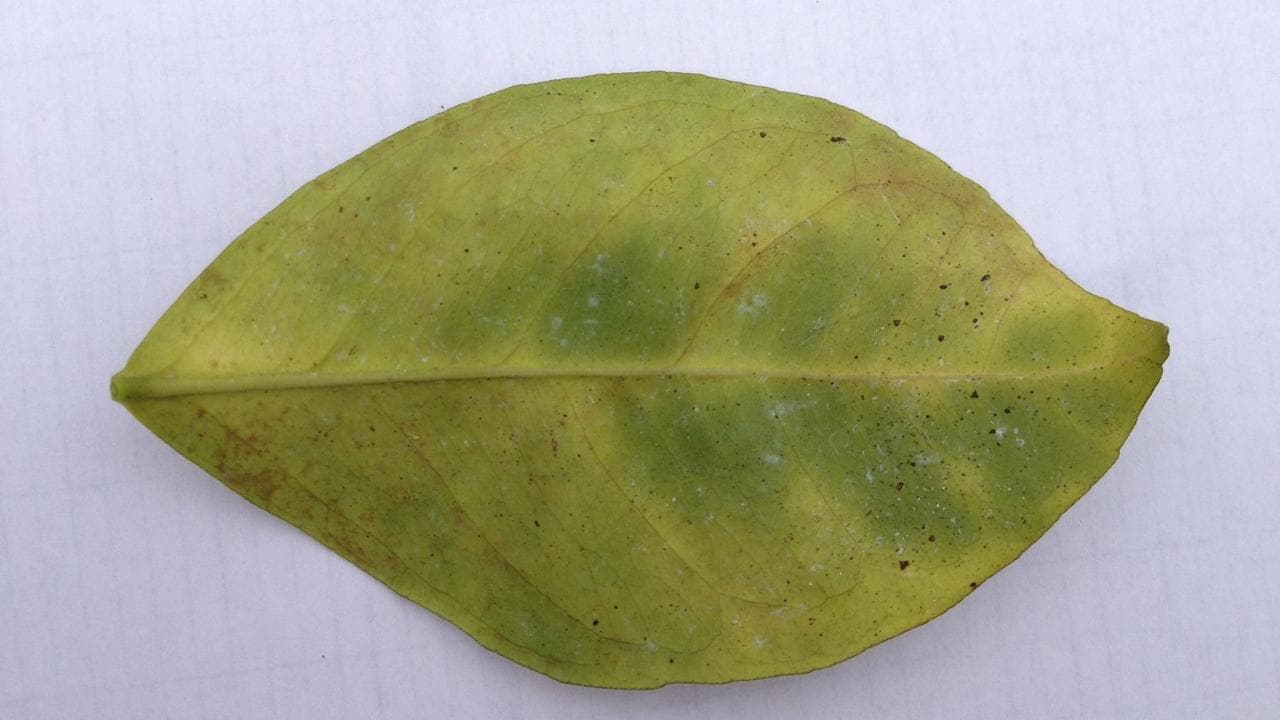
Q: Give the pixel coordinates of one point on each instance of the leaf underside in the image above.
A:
(651, 378)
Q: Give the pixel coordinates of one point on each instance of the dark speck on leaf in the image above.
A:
(986, 277)
(941, 338)
(974, 394)
(896, 323)
(764, 134)
(902, 564)
(837, 139)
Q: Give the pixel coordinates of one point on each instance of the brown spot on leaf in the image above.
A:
(246, 444)
(352, 550)
(259, 486)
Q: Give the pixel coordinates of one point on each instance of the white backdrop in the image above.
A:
(1137, 142)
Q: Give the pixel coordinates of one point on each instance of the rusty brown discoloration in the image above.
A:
(351, 548)
(259, 486)
(245, 444)
(210, 283)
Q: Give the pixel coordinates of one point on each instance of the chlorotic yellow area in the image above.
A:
(651, 378)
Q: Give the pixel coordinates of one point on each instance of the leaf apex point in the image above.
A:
(117, 388)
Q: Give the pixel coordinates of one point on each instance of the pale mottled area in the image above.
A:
(651, 378)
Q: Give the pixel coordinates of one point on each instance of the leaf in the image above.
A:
(651, 378)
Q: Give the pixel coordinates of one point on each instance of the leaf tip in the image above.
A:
(121, 388)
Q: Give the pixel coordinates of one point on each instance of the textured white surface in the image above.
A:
(1137, 142)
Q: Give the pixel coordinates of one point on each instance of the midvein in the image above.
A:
(126, 386)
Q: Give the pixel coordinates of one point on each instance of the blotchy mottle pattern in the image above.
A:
(651, 378)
